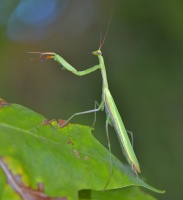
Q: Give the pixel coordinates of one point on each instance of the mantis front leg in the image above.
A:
(67, 66)
(64, 63)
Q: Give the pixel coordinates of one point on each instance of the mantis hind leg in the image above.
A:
(95, 114)
(131, 135)
(109, 147)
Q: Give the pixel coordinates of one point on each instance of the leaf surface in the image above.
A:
(63, 160)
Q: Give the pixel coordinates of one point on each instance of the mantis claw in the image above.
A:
(43, 55)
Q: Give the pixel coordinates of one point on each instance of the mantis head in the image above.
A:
(96, 53)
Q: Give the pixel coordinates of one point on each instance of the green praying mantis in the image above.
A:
(112, 114)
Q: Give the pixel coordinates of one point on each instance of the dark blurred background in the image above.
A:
(143, 55)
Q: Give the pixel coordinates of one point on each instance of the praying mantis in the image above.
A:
(112, 114)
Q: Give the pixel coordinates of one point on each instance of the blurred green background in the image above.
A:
(143, 55)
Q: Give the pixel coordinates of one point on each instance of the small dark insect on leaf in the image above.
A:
(26, 193)
(3, 103)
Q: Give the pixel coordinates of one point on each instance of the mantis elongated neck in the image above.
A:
(103, 71)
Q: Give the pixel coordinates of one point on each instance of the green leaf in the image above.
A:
(64, 160)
